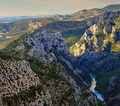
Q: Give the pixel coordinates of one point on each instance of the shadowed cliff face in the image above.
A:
(98, 50)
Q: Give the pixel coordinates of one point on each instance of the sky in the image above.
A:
(49, 7)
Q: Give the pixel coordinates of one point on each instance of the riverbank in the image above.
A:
(93, 85)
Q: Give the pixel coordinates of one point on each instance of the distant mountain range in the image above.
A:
(80, 15)
(16, 18)
(84, 14)
(68, 25)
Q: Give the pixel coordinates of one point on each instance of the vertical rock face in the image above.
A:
(44, 44)
(113, 91)
(112, 84)
(49, 47)
(97, 38)
(92, 31)
(114, 37)
(107, 29)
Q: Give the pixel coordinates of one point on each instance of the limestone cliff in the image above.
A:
(99, 37)
(49, 47)
(44, 71)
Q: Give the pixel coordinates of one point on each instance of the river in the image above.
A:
(93, 85)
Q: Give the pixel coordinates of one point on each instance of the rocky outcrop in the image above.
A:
(107, 29)
(99, 37)
(113, 91)
(18, 86)
(92, 31)
(49, 47)
(43, 46)
(34, 24)
(15, 76)
(88, 41)
(112, 84)
(114, 37)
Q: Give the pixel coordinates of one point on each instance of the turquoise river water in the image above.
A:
(93, 85)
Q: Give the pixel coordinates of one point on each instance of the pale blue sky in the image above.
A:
(49, 7)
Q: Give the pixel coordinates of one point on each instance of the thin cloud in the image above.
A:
(50, 6)
(76, 3)
(66, 12)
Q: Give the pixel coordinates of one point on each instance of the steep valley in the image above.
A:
(40, 70)
(98, 51)
(71, 60)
